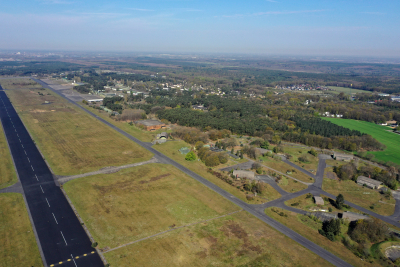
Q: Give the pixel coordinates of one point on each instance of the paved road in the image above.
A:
(60, 234)
(253, 209)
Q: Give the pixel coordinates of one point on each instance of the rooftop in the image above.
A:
(363, 179)
(149, 122)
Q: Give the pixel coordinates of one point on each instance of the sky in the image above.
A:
(270, 27)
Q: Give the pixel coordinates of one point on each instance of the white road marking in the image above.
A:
(54, 218)
(28, 160)
(17, 135)
(74, 260)
(19, 140)
(36, 178)
(32, 168)
(64, 238)
(25, 152)
(41, 188)
(22, 146)
(47, 202)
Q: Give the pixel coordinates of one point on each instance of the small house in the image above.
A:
(243, 174)
(371, 183)
(318, 200)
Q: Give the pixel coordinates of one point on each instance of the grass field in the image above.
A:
(72, 141)
(8, 175)
(171, 150)
(140, 134)
(138, 202)
(19, 83)
(306, 203)
(309, 229)
(360, 195)
(235, 240)
(17, 242)
(283, 167)
(297, 152)
(380, 133)
(290, 185)
(348, 91)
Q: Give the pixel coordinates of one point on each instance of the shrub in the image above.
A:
(94, 244)
(190, 156)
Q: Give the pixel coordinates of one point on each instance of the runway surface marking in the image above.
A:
(64, 238)
(73, 259)
(55, 218)
(25, 152)
(28, 160)
(47, 202)
(32, 168)
(41, 188)
(36, 178)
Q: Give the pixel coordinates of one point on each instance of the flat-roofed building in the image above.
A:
(371, 183)
(243, 174)
(318, 200)
(352, 216)
(151, 125)
(341, 156)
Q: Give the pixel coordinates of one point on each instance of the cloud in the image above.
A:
(286, 12)
(62, 2)
(373, 13)
(139, 9)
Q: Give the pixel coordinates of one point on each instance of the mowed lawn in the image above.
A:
(7, 172)
(235, 240)
(72, 141)
(141, 201)
(380, 133)
(17, 242)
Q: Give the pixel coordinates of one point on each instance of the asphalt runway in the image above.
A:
(60, 233)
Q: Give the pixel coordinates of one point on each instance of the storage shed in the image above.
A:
(371, 183)
(151, 125)
(318, 200)
(341, 156)
(243, 174)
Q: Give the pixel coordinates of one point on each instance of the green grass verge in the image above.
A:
(17, 242)
(8, 175)
(380, 133)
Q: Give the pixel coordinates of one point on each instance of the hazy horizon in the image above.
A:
(267, 27)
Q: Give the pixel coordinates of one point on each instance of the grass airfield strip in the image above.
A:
(8, 176)
(17, 242)
(135, 203)
(71, 141)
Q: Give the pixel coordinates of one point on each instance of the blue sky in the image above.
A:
(286, 27)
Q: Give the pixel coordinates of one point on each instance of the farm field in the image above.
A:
(17, 241)
(235, 240)
(308, 228)
(72, 142)
(380, 133)
(8, 175)
(359, 195)
(346, 90)
(171, 150)
(142, 201)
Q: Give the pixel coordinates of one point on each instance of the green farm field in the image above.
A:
(380, 133)
(346, 90)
